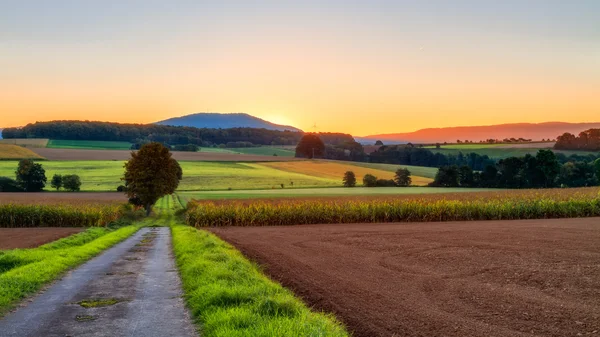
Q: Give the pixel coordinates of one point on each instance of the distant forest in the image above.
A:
(173, 135)
(588, 140)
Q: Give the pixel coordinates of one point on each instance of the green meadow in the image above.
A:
(105, 175)
(88, 144)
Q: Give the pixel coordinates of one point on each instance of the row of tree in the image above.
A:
(540, 171)
(588, 140)
(402, 178)
(174, 135)
(31, 177)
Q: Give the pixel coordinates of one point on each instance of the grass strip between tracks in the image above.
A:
(25, 271)
(229, 296)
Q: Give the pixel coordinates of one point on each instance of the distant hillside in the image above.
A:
(0, 133)
(549, 130)
(224, 121)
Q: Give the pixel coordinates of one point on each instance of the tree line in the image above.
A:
(173, 135)
(31, 177)
(588, 140)
(544, 170)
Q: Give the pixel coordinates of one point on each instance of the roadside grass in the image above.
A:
(26, 271)
(228, 295)
(15, 152)
(335, 170)
(88, 144)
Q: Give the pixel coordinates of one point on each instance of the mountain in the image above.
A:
(549, 130)
(224, 121)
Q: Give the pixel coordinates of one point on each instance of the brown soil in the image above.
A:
(63, 198)
(495, 278)
(78, 154)
(11, 238)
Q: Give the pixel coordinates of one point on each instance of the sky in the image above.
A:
(361, 67)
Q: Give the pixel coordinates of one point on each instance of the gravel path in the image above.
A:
(132, 289)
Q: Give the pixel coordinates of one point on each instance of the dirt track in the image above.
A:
(77, 154)
(11, 238)
(496, 278)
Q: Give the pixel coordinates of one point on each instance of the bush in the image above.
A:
(121, 188)
(186, 148)
(370, 180)
(349, 179)
(71, 182)
(385, 183)
(56, 182)
(9, 185)
(402, 177)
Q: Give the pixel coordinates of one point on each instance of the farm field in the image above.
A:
(49, 198)
(336, 170)
(26, 142)
(14, 152)
(88, 144)
(11, 238)
(86, 154)
(105, 175)
(504, 152)
(266, 151)
(359, 193)
(492, 278)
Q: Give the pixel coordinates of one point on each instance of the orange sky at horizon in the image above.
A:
(356, 69)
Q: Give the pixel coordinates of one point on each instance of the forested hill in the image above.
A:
(225, 121)
(134, 133)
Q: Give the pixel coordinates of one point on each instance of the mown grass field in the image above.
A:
(499, 152)
(88, 144)
(230, 296)
(13, 152)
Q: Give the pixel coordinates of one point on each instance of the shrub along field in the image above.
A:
(521, 204)
(230, 296)
(14, 152)
(88, 144)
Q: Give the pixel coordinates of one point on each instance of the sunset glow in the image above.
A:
(391, 66)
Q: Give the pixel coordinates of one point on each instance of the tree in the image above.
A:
(489, 176)
(31, 176)
(310, 146)
(379, 143)
(150, 174)
(466, 177)
(549, 166)
(9, 185)
(71, 182)
(597, 168)
(402, 177)
(369, 180)
(349, 179)
(56, 182)
(447, 176)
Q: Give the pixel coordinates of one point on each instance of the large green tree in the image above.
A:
(150, 174)
(402, 177)
(349, 179)
(31, 176)
(310, 146)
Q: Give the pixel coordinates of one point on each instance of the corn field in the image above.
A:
(530, 205)
(66, 215)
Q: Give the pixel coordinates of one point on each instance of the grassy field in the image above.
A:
(502, 152)
(230, 296)
(335, 170)
(510, 205)
(13, 152)
(186, 196)
(105, 175)
(25, 271)
(26, 142)
(88, 144)
(266, 151)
